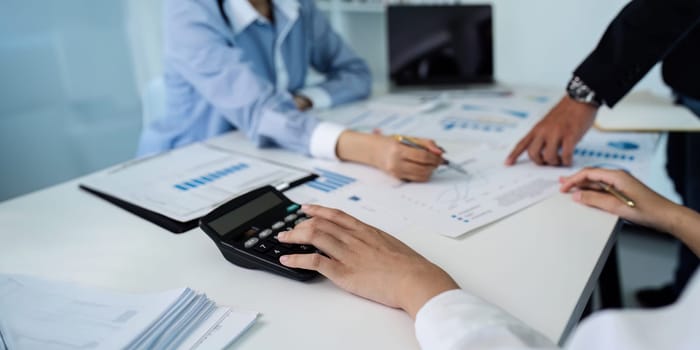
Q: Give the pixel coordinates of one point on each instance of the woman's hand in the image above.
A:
(365, 260)
(650, 208)
(391, 156)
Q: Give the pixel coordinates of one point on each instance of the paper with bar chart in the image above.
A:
(451, 203)
(187, 183)
(494, 120)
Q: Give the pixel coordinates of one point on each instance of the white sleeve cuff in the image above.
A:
(456, 319)
(324, 140)
(318, 96)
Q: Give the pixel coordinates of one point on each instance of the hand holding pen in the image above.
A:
(411, 142)
(619, 193)
(391, 156)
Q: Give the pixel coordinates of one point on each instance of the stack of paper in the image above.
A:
(39, 314)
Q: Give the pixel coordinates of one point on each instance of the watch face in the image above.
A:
(579, 91)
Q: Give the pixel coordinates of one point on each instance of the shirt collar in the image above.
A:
(243, 14)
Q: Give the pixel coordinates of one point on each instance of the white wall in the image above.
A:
(68, 103)
(537, 42)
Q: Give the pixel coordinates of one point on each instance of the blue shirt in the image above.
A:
(242, 75)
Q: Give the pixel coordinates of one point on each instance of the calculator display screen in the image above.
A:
(239, 216)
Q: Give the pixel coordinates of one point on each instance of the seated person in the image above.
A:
(243, 64)
(375, 265)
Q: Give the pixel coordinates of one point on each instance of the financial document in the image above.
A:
(478, 135)
(450, 204)
(187, 183)
(474, 119)
(41, 314)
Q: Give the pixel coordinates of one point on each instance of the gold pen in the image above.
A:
(619, 195)
(413, 143)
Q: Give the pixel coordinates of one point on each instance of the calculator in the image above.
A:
(245, 231)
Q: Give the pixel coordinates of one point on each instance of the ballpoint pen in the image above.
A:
(412, 143)
(619, 195)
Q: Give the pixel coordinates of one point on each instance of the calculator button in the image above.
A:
(276, 252)
(265, 233)
(290, 217)
(300, 220)
(250, 242)
(278, 225)
(292, 208)
(300, 212)
(263, 246)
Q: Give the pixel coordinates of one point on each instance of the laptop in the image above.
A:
(440, 47)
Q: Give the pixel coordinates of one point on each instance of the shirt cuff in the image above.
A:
(456, 319)
(431, 316)
(318, 96)
(324, 140)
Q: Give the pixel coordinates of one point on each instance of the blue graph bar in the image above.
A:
(329, 181)
(602, 154)
(330, 174)
(517, 114)
(315, 184)
(211, 177)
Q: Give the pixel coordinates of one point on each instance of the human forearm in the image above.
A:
(389, 155)
(684, 224)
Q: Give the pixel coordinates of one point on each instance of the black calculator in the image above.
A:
(245, 231)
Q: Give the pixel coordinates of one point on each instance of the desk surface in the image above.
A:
(539, 264)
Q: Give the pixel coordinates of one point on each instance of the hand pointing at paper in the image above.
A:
(553, 139)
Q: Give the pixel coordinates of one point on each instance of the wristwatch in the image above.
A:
(580, 92)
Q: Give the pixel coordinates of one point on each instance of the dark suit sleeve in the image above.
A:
(641, 35)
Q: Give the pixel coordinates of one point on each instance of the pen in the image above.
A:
(412, 143)
(619, 195)
(287, 185)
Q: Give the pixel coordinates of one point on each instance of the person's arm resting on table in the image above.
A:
(372, 264)
(651, 209)
(197, 49)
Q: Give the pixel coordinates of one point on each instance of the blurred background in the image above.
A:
(77, 74)
(79, 77)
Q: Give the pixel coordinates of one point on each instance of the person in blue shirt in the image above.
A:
(242, 64)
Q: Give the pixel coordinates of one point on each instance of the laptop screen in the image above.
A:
(438, 45)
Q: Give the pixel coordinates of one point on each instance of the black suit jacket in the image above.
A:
(644, 33)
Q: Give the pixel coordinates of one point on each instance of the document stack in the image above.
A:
(39, 314)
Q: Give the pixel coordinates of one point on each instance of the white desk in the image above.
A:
(539, 264)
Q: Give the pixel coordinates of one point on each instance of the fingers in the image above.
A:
(412, 172)
(534, 151)
(315, 262)
(550, 151)
(335, 216)
(431, 146)
(305, 231)
(567, 151)
(519, 149)
(587, 175)
(420, 156)
(600, 200)
(311, 234)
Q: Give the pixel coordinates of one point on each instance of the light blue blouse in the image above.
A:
(242, 75)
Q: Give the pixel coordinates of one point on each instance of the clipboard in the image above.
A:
(174, 189)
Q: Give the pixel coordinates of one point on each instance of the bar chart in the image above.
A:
(329, 181)
(210, 177)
